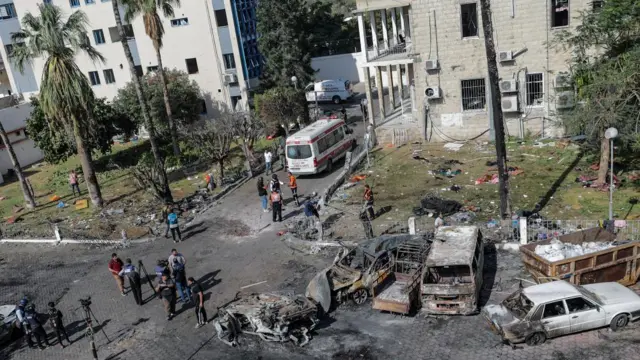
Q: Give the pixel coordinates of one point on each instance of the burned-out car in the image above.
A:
(355, 270)
(539, 312)
(270, 316)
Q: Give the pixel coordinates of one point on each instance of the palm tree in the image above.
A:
(143, 104)
(66, 96)
(155, 31)
(28, 197)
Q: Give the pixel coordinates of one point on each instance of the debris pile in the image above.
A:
(433, 204)
(557, 250)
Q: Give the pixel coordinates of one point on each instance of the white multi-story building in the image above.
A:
(438, 48)
(211, 40)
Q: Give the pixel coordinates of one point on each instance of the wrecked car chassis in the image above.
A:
(272, 317)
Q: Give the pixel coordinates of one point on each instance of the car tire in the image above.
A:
(360, 296)
(336, 99)
(537, 338)
(619, 322)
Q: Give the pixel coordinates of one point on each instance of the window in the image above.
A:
(203, 108)
(9, 50)
(579, 304)
(74, 3)
(7, 11)
(152, 68)
(180, 22)
(597, 5)
(299, 151)
(128, 32)
(192, 66)
(229, 61)
(473, 94)
(469, 19)
(221, 18)
(89, 2)
(535, 89)
(234, 101)
(109, 78)
(138, 69)
(559, 13)
(98, 36)
(47, 1)
(94, 77)
(554, 309)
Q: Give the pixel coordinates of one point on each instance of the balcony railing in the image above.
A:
(383, 51)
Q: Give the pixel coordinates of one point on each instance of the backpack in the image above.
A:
(173, 220)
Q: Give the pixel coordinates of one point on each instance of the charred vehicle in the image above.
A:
(453, 275)
(271, 316)
(539, 312)
(355, 271)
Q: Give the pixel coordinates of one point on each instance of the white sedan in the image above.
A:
(8, 328)
(539, 312)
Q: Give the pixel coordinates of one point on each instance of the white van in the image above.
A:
(335, 91)
(318, 146)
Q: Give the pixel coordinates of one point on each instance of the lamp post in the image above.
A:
(294, 80)
(610, 134)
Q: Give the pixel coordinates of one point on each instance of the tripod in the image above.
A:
(89, 316)
(146, 274)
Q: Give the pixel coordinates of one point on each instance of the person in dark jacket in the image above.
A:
(55, 319)
(276, 205)
(198, 296)
(262, 193)
(135, 283)
(180, 277)
(167, 289)
(35, 322)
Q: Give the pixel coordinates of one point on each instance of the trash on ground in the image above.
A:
(82, 204)
(115, 212)
(55, 198)
(356, 178)
(434, 204)
(453, 146)
(463, 217)
(448, 172)
(557, 250)
(61, 205)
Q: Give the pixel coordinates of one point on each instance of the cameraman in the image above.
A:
(35, 322)
(167, 289)
(134, 280)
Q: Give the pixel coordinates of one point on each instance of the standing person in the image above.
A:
(134, 280)
(368, 201)
(180, 278)
(268, 156)
(293, 185)
(311, 210)
(21, 315)
(166, 210)
(162, 266)
(439, 221)
(262, 193)
(275, 183)
(167, 289)
(198, 295)
(115, 266)
(364, 109)
(73, 182)
(172, 220)
(176, 255)
(208, 179)
(282, 157)
(55, 319)
(343, 111)
(276, 205)
(35, 323)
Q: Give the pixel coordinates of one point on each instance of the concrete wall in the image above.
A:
(348, 67)
(14, 121)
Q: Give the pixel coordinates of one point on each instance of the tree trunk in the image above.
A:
(605, 153)
(28, 196)
(498, 117)
(167, 104)
(220, 172)
(84, 153)
(143, 104)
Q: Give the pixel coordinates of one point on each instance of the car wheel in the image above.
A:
(336, 99)
(360, 296)
(536, 339)
(619, 322)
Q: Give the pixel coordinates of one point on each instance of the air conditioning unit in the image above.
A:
(431, 64)
(230, 78)
(565, 100)
(433, 92)
(563, 80)
(505, 56)
(508, 86)
(510, 103)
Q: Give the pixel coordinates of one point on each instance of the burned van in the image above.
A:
(452, 277)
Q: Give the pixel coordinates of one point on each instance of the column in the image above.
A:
(363, 37)
(385, 32)
(410, 82)
(380, 92)
(374, 35)
(400, 84)
(368, 94)
(402, 22)
(394, 27)
(392, 96)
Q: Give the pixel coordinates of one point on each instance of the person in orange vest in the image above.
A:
(368, 201)
(293, 185)
(276, 205)
(209, 181)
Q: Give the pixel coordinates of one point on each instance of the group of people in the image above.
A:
(32, 323)
(172, 281)
(271, 195)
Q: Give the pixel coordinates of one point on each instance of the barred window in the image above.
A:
(535, 89)
(474, 95)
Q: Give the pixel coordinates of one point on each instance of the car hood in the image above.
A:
(6, 310)
(319, 290)
(499, 315)
(612, 293)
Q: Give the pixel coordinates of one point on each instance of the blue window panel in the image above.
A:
(98, 37)
(74, 3)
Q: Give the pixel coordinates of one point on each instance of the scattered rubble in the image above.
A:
(558, 250)
(433, 204)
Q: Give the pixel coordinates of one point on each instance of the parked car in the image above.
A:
(8, 327)
(336, 91)
(539, 312)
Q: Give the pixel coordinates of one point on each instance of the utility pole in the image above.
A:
(498, 117)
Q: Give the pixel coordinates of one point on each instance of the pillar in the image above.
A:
(363, 37)
(392, 96)
(400, 84)
(394, 27)
(380, 92)
(385, 32)
(374, 35)
(403, 18)
(368, 94)
(411, 82)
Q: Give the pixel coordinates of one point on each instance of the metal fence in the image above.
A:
(539, 229)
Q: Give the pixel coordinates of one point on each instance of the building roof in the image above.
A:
(550, 291)
(453, 245)
(312, 131)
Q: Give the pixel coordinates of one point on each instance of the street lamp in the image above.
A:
(610, 134)
(294, 80)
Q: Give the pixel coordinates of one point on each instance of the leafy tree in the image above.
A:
(66, 96)
(185, 97)
(335, 36)
(605, 70)
(57, 142)
(149, 9)
(144, 106)
(279, 107)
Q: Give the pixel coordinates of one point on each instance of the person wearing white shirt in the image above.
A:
(267, 160)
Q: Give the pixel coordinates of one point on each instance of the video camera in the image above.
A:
(86, 301)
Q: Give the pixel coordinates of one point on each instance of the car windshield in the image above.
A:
(299, 151)
(589, 294)
(518, 304)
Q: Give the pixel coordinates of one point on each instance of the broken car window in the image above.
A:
(456, 274)
(579, 304)
(555, 308)
(518, 304)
